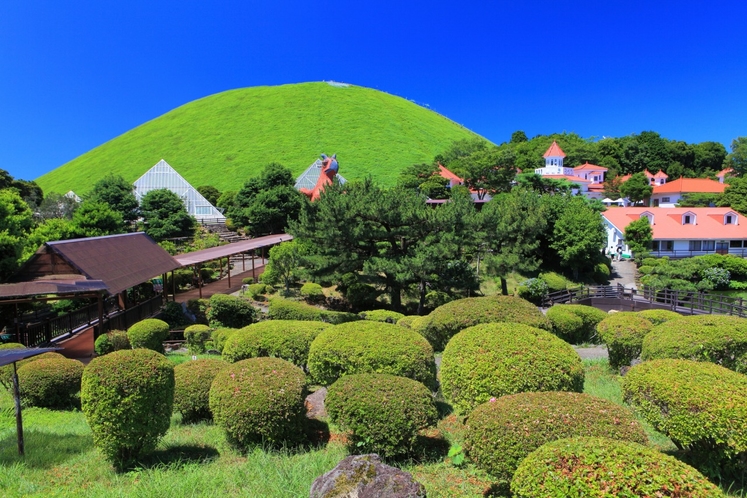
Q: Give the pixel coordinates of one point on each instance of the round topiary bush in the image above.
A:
(260, 400)
(110, 342)
(149, 334)
(312, 293)
(371, 347)
(196, 337)
(230, 311)
(220, 336)
(50, 382)
(445, 321)
(383, 413)
(406, 321)
(502, 432)
(700, 406)
(657, 317)
(565, 324)
(127, 397)
(286, 339)
(382, 316)
(623, 334)
(590, 318)
(192, 380)
(718, 339)
(590, 466)
(496, 359)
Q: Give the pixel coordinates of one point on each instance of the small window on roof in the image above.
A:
(689, 219)
(649, 215)
(730, 219)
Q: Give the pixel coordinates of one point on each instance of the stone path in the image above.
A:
(592, 353)
(623, 273)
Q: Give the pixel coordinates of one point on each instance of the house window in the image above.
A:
(665, 199)
(666, 245)
(695, 245)
(730, 219)
(735, 244)
(688, 219)
(709, 245)
(655, 245)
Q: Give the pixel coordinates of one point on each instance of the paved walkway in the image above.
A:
(219, 286)
(623, 273)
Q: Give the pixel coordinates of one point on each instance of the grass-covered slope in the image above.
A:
(223, 139)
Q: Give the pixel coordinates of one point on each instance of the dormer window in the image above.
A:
(648, 215)
(730, 219)
(689, 219)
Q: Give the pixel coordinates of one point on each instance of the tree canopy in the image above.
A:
(165, 216)
(637, 188)
(118, 194)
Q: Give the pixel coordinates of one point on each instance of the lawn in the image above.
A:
(196, 460)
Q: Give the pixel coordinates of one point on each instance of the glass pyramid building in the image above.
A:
(162, 175)
(308, 178)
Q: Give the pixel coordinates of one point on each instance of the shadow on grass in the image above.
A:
(44, 449)
(174, 456)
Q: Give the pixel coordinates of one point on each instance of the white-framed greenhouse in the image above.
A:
(161, 176)
(308, 178)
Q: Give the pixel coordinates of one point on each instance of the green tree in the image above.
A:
(210, 193)
(93, 219)
(416, 174)
(518, 137)
(698, 199)
(56, 205)
(284, 264)
(165, 215)
(612, 187)
(638, 236)
(116, 192)
(512, 224)
(48, 231)
(637, 188)
(226, 200)
(489, 171)
(16, 221)
(735, 195)
(709, 156)
(578, 236)
(738, 157)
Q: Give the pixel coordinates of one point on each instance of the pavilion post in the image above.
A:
(101, 315)
(17, 323)
(243, 261)
(19, 418)
(228, 269)
(173, 285)
(254, 256)
(220, 266)
(199, 279)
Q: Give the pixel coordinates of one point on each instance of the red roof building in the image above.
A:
(669, 194)
(554, 151)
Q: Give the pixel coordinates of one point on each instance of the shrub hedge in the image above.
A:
(718, 339)
(149, 334)
(110, 342)
(445, 321)
(575, 323)
(623, 334)
(127, 397)
(407, 321)
(496, 359)
(501, 433)
(312, 293)
(256, 291)
(371, 347)
(50, 382)
(382, 316)
(555, 282)
(286, 339)
(198, 308)
(657, 317)
(220, 336)
(230, 311)
(383, 413)
(285, 309)
(700, 406)
(592, 466)
(196, 337)
(192, 380)
(260, 400)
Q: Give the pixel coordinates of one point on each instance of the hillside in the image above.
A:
(223, 139)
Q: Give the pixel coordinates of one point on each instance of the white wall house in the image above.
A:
(669, 194)
(681, 232)
(588, 177)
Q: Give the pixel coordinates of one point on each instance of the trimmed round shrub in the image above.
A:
(592, 466)
(555, 282)
(700, 406)
(496, 359)
(646, 270)
(383, 413)
(220, 336)
(501, 433)
(285, 309)
(371, 347)
(256, 291)
(127, 397)
(230, 311)
(407, 321)
(192, 380)
(601, 273)
(657, 317)
(382, 316)
(6, 372)
(565, 324)
(149, 334)
(196, 337)
(286, 339)
(50, 382)
(623, 334)
(445, 321)
(590, 317)
(718, 339)
(312, 293)
(110, 342)
(260, 400)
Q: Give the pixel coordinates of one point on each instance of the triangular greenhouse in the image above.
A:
(308, 178)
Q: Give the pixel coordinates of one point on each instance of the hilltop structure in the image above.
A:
(588, 177)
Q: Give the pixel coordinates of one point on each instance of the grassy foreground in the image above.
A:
(195, 460)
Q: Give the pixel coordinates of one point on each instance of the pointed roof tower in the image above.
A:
(554, 151)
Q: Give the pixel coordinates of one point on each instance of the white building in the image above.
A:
(588, 177)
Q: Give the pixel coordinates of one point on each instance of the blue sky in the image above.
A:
(75, 74)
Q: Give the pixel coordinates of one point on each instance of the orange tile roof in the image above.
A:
(661, 174)
(448, 174)
(597, 186)
(683, 185)
(668, 222)
(573, 179)
(588, 166)
(554, 151)
(648, 173)
(625, 178)
(724, 172)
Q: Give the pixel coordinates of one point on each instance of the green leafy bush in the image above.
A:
(575, 323)
(50, 382)
(444, 322)
(496, 359)
(196, 337)
(382, 316)
(286, 339)
(127, 397)
(590, 466)
(312, 293)
(371, 347)
(256, 291)
(555, 282)
(406, 321)
(149, 333)
(601, 273)
(646, 270)
(701, 407)
(6, 372)
(230, 311)
(383, 413)
(533, 290)
(652, 262)
(503, 431)
(260, 401)
(657, 317)
(285, 309)
(192, 380)
(173, 314)
(220, 336)
(110, 342)
(718, 339)
(198, 308)
(623, 334)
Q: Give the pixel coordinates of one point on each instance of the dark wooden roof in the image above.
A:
(119, 261)
(213, 253)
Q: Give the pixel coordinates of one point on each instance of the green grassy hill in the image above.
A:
(223, 139)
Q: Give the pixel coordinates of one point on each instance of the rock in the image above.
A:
(364, 476)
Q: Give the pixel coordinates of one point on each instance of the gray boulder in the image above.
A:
(364, 476)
